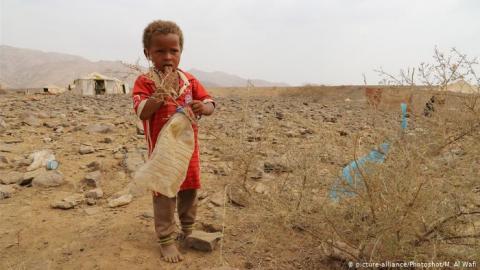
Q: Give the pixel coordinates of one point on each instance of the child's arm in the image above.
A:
(151, 106)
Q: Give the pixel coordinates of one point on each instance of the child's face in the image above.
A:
(164, 51)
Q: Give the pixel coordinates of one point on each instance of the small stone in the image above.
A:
(47, 140)
(120, 201)
(3, 124)
(203, 241)
(212, 227)
(29, 176)
(6, 148)
(100, 128)
(94, 166)
(107, 140)
(11, 178)
(90, 201)
(93, 178)
(218, 199)
(147, 214)
(6, 192)
(261, 188)
(96, 193)
(68, 202)
(238, 196)
(202, 194)
(85, 149)
(48, 179)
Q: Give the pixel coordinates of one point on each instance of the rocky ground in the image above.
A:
(71, 218)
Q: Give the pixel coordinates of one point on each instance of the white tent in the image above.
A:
(98, 84)
(462, 86)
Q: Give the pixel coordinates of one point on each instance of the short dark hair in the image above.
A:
(161, 27)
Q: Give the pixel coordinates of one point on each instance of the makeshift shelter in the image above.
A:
(98, 84)
(462, 86)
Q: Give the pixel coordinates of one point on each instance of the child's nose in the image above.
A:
(168, 55)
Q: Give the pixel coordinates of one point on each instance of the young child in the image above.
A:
(163, 45)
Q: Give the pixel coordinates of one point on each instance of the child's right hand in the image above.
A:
(158, 97)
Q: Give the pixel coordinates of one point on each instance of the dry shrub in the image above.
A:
(421, 204)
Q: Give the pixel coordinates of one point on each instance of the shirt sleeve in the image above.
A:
(141, 92)
(200, 93)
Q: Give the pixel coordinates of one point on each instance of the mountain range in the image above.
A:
(28, 68)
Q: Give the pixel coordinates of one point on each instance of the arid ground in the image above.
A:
(268, 160)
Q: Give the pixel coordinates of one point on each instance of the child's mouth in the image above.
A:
(167, 68)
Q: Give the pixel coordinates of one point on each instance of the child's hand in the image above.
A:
(158, 97)
(200, 108)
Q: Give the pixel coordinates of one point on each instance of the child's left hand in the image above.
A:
(200, 108)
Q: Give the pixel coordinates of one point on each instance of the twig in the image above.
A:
(424, 237)
(367, 186)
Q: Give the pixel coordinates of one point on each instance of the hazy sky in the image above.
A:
(292, 41)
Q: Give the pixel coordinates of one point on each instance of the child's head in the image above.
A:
(163, 44)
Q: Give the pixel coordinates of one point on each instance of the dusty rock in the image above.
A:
(107, 140)
(93, 179)
(217, 199)
(86, 149)
(96, 193)
(222, 268)
(147, 214)
(94, 166)
(10, 177)
(29, 176)
(68, 202)
(6, 148)
(32, 120)
(90, 201)
(4, 162)
(211, 227)
(120, 201)
(100, 128)
(203, 241)
(261, 188)
(6, 191)
(3, 124)
(238, 196)
(48, 179)
(23, 162)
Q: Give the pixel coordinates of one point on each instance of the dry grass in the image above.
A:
(421, 204)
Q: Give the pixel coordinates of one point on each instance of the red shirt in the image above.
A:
(190, 89)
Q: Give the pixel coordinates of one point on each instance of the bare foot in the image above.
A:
(171, 254)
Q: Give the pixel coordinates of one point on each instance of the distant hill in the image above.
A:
(27, 68)
(218, 79)
(20, 68)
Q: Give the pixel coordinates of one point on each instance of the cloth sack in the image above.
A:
(167, 167)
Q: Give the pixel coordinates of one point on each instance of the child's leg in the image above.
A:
(163, 211)
(187, 209)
